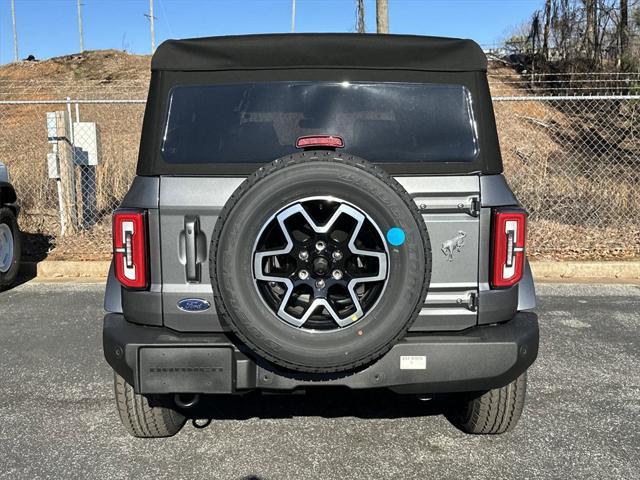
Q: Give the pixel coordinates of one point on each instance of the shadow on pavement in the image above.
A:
(35, 248)
(327, 403)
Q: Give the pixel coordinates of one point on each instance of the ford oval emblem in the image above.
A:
(193, 305)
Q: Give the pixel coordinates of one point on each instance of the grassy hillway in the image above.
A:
(548, 151)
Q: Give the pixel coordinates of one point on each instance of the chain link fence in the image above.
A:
(573, 162)
(505, 81)
(71, 163)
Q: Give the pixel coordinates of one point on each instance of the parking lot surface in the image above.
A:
(582, 418)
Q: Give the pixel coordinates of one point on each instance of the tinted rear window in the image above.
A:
(259, 122)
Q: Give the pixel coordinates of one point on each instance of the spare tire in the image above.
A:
(320, 262)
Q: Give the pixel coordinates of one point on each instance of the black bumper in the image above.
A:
(160, 360)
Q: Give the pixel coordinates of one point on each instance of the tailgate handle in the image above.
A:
(191, 231)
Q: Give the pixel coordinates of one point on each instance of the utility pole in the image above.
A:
(80, 32)
(382, 16)
(360, 25)
(293, 16)
(15, 31)
(153, 32)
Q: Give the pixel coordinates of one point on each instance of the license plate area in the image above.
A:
(185, 369)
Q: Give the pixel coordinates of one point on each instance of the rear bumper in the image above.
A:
(160, 360)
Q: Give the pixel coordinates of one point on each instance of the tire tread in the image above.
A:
(494, 412)
(140, 418)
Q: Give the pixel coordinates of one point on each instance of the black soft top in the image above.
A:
(325, 50)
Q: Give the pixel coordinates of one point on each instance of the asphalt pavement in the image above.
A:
(582, 418)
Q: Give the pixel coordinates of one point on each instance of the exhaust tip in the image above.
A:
(186, 400)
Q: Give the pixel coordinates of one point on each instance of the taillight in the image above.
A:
(315, 141)
(130, 248)
(509, 226)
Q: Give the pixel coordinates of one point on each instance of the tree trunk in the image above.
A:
(591, 34)
(596, 33)
(382, 16)
(624, 33)
(545, 33)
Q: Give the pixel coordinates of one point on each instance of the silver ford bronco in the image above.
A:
(319, 210)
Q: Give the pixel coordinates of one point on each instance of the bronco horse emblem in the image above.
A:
(453, 245)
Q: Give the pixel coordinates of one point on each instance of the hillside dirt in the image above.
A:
(77, 73)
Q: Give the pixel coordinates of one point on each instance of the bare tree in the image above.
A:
(534, 32)
(547, 26)
(382, 16)
(591, 33)
(624, 31)
(583, 34)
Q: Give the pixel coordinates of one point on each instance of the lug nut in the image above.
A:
(303, 255)
(320, 246)
(337, 255)
(336, 274)
(320, 283)
(303, 274)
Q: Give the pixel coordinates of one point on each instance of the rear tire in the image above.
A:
(10, 248)
(496, 411)
(141, 418)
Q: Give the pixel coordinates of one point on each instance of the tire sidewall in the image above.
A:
(301, 349)
(8, 218)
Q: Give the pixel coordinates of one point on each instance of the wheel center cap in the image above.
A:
(321, 266)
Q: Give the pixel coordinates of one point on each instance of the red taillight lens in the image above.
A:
(130, 248)
(508, 247)
(330, 141)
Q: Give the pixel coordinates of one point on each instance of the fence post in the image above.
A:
(67, 172)
(86, 155)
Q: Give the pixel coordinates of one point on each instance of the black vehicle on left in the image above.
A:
(10, 247)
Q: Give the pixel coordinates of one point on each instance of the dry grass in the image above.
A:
(574, 165)
(561, 241)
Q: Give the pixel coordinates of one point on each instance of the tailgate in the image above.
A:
(189, 208)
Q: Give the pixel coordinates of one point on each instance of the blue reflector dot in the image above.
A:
(396, 236)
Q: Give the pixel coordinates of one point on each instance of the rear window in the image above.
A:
(258, 122)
